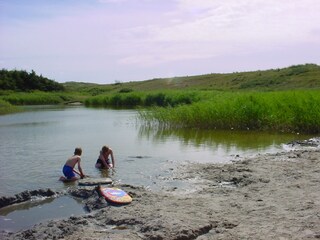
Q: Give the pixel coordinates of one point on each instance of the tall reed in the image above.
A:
(35, 98)
(147, 99)
(6, 107)
(290, 111)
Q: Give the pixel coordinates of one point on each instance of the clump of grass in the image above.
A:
(296, 111)
(6, 107)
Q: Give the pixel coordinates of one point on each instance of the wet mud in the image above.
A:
(26, 196)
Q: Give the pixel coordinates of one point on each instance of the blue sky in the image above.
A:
(108, 41)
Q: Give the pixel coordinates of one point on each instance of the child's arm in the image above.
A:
(112, 157)
(80, 169)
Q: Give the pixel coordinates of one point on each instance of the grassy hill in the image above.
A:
(294, 77)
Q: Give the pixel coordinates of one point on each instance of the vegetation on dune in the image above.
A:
(89, 89)
(23, 81)
(18, 87)
(305, 77)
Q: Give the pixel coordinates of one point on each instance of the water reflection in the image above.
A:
(241, 140)
(27, 124)
(23, 215)
(106, 173)
(25, 205)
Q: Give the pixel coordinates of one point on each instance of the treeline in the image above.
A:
(20, 80)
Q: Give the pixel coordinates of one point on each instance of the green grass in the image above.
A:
(289, 111)
(144, 99)
(6, 107)
(38, 97)
(302, 77)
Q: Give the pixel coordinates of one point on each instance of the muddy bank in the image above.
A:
(272, 196)
(25, 196)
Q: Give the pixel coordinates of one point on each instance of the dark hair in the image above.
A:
(78, 151)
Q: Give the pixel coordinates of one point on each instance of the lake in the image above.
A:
(36, 143)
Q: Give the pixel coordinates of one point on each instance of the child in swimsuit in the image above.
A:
(68, 168)
(103, 159)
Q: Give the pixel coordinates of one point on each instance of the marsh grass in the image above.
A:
(144, 99)
(35, 98)
(289, 111)
(6, 107)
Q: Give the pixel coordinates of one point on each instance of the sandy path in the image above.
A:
(273, 196)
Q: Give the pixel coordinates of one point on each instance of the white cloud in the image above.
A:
(208, 28)
(242, 20)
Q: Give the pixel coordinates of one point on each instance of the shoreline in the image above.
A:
(263, 197)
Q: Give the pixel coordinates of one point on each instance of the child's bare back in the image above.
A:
(72, 161)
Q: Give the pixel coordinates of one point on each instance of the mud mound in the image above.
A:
(25, 196)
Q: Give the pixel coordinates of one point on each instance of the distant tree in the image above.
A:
(21, 80)
(117, 82)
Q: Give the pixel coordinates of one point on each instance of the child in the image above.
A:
(103, 159)
(68, 168)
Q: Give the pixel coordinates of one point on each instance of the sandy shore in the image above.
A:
(272, 196)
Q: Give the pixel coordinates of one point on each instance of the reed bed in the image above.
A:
(289, 111)
(6, 107)
(145, 99)
(34, 98)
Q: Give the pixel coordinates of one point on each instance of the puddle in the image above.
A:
(24, 215)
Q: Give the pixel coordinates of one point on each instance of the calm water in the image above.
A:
(25, 215)
(35, 145)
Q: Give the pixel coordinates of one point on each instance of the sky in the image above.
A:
(111, 41)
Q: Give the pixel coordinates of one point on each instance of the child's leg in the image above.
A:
(63, 179)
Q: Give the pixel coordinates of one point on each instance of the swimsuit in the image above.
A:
(68, 172)
(99, 161)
